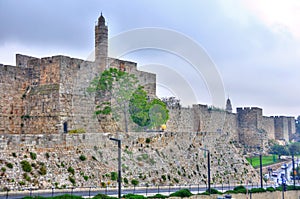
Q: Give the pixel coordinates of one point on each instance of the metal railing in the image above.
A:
(113, 191)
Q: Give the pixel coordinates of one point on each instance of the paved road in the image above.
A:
(285, 172)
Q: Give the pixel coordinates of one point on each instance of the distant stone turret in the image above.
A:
(101, 42)
(228, 106)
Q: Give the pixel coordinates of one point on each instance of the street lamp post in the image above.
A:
(208, 168)
(260, 170)
(119, 165)
(293, 162)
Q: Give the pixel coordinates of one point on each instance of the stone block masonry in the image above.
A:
(146, 157)
(248, 126)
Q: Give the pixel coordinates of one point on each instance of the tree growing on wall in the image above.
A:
(139, 107)
(145, 112)
(158, 113)
(118, 94)
(113, 89)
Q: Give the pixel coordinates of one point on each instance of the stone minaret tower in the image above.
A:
(228, 106)
(101, 43)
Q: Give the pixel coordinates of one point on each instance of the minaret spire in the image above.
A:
(228, 105)
(101, 42)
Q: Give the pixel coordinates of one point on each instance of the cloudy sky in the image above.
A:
(253, 44)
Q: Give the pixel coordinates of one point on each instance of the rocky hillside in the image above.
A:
(150, 158)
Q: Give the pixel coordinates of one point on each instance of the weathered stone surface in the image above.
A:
(145, 156)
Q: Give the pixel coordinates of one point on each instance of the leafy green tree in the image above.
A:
(26, 166)
(113, 176)
(171, 102)
(139, 107)
(134, 182)
(294, 148)
(158, 113)
(279, 150)
(114, 89)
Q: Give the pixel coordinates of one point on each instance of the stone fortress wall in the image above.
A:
(248, 126)
(48, 96)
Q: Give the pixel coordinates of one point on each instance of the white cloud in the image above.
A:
(280, 16)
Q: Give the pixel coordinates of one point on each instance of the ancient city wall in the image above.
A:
(22, 60)
(200, 118)
(281, 128)
(250, 123)
(181, 119)
(77, 105)
(291, 126)
(41, 95)
(268, 126)
(12, 88)
(174, 154)
(147, 80)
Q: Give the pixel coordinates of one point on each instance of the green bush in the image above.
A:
(9, 165)
(270, 189)
(86, 178)
(72, 180)
(134, 182)
(176, 180)
(291, 187)
(82, 157)
(102, 196)
(230, 192)
(43, 170)
(26, 166)
(66, 196)
(133, 196)
(213, 191)
(148, 140)
(47, 155)
(33, 155)
(26, 177)
(113, 176)
(158, 196)
(182, 193)
(94, 158)
(204, 193)
(125, 180)
(71, 170)
(3, 169)
(21, 183)
(257, 190)
(240, 189)
(103, 184)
